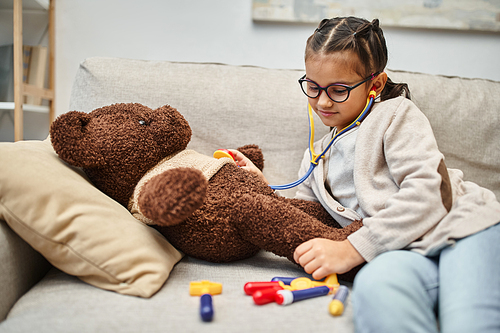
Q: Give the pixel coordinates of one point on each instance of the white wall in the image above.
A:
(223, 31)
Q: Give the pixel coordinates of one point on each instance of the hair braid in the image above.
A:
(365, 39)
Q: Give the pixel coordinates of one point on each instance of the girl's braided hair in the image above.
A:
(363, 38)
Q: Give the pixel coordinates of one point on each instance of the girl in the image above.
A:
(431, 239)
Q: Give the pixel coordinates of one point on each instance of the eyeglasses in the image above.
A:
(337, 92)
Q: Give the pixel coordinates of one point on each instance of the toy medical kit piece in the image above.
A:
(205, 289)
(252, 287)
(264, 296)
(285, 280)
(336, 306)
(285, 297)
(264, 292)
(220, 153)
(330, 281)
(268, 291)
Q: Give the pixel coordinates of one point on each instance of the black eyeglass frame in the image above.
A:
(325, 89)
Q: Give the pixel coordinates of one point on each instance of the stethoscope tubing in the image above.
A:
(315, 158)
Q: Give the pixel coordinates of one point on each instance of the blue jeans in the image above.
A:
(456, 291)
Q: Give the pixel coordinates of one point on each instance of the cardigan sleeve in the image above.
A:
(403, 184)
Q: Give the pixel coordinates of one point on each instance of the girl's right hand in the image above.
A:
(243, 162)
(321, 257)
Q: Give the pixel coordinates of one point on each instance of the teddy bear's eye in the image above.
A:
(142, 122)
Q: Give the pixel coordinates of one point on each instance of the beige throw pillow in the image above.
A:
(80, 230)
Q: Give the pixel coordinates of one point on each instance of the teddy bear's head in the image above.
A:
(123, 140)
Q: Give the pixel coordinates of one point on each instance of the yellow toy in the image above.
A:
(220, 153)
(330, 281)
(205, 289)
(336, 306)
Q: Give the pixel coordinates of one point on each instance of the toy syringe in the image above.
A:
(336, 307)
(285, 297)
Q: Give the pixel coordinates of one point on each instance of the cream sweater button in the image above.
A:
(340, 209)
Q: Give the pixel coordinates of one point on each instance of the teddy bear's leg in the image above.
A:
(314, 209)
(279, 227)
(172, 196)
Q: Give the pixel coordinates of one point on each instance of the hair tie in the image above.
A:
(321, 25)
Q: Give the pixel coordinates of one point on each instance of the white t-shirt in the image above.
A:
(339, 177)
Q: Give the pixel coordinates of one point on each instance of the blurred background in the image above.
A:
(220, 31)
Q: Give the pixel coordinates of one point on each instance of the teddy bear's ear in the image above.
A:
(69, 140)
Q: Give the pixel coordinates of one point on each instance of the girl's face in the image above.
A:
(333, 68)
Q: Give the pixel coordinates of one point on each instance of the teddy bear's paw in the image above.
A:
(254, 154)
(173, 196)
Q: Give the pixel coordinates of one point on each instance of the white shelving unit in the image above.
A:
(22, 89)
(10, 106)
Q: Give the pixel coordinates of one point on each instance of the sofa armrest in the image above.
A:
(20, 268)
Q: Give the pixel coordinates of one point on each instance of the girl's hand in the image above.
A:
(243, 162)
(321, 257)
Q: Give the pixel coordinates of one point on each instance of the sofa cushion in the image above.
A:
(77, 228)
(20, 268)
(230, 106)
(61, 303)
(226, 106)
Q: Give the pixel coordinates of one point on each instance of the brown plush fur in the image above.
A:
(230, 217)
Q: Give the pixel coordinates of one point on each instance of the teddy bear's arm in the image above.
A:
(172, 196)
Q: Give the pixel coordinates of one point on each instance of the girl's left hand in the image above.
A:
(321, 257)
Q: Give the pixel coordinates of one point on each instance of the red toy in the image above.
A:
(278, 291)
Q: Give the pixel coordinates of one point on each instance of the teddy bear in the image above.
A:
(207, 208)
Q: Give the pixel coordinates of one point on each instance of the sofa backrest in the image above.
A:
(226, 106)
(230, 106)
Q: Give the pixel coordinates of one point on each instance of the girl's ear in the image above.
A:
(379, 82)
(69, 139)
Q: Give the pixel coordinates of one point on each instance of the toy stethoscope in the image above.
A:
(316, 157)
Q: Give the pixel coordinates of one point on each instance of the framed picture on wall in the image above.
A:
(481, 15)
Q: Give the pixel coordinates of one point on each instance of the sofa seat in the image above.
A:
(63, 303)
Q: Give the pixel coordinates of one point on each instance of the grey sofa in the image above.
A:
(226, 106)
